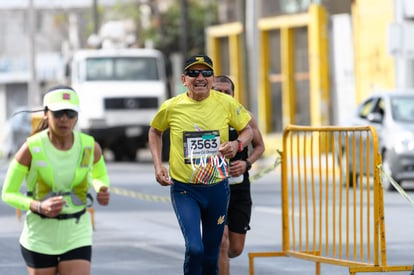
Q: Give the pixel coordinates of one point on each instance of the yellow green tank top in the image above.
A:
(54, 170)
(51, 171)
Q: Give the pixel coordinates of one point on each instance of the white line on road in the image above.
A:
(267, 209)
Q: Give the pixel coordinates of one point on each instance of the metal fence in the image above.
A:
(332, 199)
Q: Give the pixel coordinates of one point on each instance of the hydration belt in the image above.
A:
(75, 215)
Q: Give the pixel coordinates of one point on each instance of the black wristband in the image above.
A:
(248, 165)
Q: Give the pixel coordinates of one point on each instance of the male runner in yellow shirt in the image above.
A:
(199, 120)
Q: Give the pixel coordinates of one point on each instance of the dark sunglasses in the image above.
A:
(195, 73)
(68, 113)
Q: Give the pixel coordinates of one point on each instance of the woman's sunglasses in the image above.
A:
(69, 113)
(195, 73)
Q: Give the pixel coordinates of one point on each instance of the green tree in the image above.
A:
(165, 31)
(200, 16)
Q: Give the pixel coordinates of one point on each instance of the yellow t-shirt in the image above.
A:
(197, 128)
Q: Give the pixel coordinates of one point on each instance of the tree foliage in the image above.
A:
(166, 29)
(200, 16)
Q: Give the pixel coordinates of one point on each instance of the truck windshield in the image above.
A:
(121, 69)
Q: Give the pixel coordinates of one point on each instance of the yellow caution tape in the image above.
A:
(258, 175)
(138, 195)
(147, 197)
(396, 186)
(268, 169)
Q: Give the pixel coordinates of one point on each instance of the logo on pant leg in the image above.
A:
(220, 220)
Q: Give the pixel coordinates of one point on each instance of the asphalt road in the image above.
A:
(138, 233)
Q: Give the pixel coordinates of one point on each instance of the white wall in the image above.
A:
(344, 99)
(401, 44)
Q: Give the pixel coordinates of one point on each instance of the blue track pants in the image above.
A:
(205, 205)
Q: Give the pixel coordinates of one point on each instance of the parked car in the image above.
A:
(352, 155)
(392, 115)
(16, 130)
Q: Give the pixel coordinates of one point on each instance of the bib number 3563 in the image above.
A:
(201, 144)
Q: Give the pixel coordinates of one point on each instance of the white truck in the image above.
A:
(120, 90)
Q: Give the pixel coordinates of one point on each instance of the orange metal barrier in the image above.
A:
(332, 199)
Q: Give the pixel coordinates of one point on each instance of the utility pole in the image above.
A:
(251, 16)
(95, 17)
(184, 29)
(33, 95)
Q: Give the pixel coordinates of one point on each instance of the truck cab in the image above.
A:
(120, 91)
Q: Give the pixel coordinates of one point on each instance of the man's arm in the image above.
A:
(239, 167)
(245, 136)
(155, 145)
(257, 142)
(230, 148)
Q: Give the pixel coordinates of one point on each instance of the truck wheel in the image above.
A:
(118, 153)
(130, 155)
(122, 151)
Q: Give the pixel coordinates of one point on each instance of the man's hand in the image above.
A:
(237, 168)
(228, 149)
(161, 175)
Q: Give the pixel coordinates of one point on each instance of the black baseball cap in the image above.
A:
(198, 59)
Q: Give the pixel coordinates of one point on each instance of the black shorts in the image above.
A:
(240, 211)
(39, 260)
